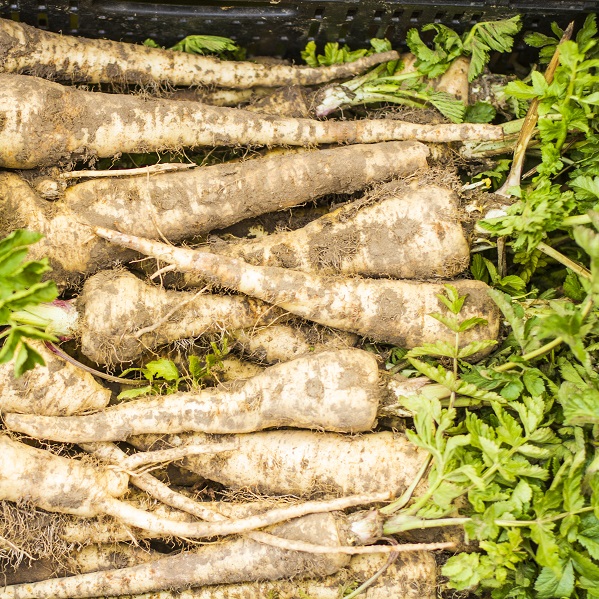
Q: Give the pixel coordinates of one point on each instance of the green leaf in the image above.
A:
(163, 369)
(470, 323)
(136, 392)
(451, 322)
(580, 406)
(26, 359)
(462, 570)
(440, 348)
(480, 112)
(308, 54)
(206, 44)
(478, 268)
(150, 43)
(549, 585)
(475, 347)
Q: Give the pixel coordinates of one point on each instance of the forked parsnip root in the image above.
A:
(332, 390)
(180, 205)
(39, 132)
(226, 562)
(390, 311)
(293, 462)
(59, 484)
(25, 49)
(397, 231)
(56, 389)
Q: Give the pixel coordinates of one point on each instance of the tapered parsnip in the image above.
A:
(218, 97)
(93, 558)
(299, 463)
(179, 205)
(43, 131)
(282, 342)
(411, 576)
(226, 562)
(397, 231)
(64, 485)
(386, 310)
(25, 49)
(56, 389)
(119, 317)
(331, 390)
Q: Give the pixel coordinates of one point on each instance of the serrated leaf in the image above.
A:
(533, 381)
(547, 547)
(449, 320)
(163, 369)
(462, 570)
(470, 323)
(439, 348)
(137, 392)
(580, 407)
(480, 112)
(26, 359)
(550, 585)
(476, 347)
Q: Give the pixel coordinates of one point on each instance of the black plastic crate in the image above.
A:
(282, 27)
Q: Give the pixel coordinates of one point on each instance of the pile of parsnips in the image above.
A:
(371, 269)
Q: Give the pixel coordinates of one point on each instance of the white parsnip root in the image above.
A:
(180, 205)
(293, 462)
(59, 484)
(410, 576)
(385, 310)
(25, 49)
(56, 389)
(398, 231)
(36, 133)
(334, 390)
(226, 562)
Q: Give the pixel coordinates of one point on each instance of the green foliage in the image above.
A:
(478, 43)
(333, 54)
(164, 377)
(525, 460)
(223, 47)
(21, 287)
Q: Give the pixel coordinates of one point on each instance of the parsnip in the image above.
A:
(56, 389)
(332, 390)
(411, 576)
(117, 316)
(304, 463)
(38, 132)
(225, 562)
(59, 484)
(25, 49)
(390, 311)
(179, 205)
(92, 558)
(284, 342)
(396, 231)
